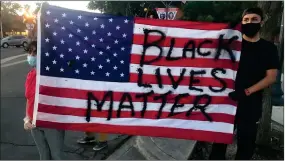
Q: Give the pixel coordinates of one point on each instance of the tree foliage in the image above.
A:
(215, 11)
(38, 4)
(132, 8)
(9, 17)
(210, 11)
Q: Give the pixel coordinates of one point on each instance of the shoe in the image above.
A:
(100, 146)
(86, 140)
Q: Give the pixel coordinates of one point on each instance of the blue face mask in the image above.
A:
(32, 60)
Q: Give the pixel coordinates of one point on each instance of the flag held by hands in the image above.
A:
(116, 74)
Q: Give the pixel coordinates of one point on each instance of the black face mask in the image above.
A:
(250, 29)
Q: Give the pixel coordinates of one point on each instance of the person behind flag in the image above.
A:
(48, 141)
(90, 138)
(257, 70)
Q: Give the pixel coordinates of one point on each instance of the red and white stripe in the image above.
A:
(62, 102)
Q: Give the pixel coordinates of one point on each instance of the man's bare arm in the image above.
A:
(269, 79)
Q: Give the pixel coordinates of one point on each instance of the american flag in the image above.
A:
(81, 52)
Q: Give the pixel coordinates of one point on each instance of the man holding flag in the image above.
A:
(257, 70)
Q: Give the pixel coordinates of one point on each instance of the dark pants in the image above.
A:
(246, 123)
(49, 143)
(246, 136)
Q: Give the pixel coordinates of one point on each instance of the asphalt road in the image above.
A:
(16, 143)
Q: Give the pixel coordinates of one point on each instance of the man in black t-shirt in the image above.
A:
(257, 70)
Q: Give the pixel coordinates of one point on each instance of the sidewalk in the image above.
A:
(278, 111)
(278, 114)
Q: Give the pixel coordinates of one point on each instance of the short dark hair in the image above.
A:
(255, 10)
(31, 44)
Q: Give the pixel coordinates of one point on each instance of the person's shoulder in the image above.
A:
(32, 73)
(267, 44)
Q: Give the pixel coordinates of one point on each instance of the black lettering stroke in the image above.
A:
(202, 108)
(99, 105)
(126, 97)
(147, 44)
(223, 82)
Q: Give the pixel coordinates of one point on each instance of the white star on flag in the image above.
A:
(85, 51)
(78, 30)
(108, 60)
(115, 54)
(56, 20)
(77, 57)
(54, 33)
(47, 25)
(47, 54)
(85, 65)
(54, 48)
(86, 24)
(47, 39)
(93, 46)
(124, 35)
(92, 73)
(102, 26)
(116, 41)
(108, 47)
(101, 40)
(71, 22)
(48, 12)
(109, 33)
(61, 70)
(54, 62)
(69, 50)
(70, 35)
(110, 20)
(95, 18)
(118, 28)
(107, 74)
(77, 43)
(122, 61)
(77, 71)
(62, 41)
(122, 74)
(63, 15)
(79, 17)
(101, 53)
(115, 67)
(61, 55)
(93, 32)
(123, 49)
(86, 38)
(100, 66)
(63, 28)
(47, 68)
(92, 59)
(126, 21)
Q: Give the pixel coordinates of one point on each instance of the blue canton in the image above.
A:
(84, 45)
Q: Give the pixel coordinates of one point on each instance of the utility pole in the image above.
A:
(281, 42)
(1, 28)
(1, 16)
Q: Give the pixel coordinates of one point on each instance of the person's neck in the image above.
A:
(251, 39)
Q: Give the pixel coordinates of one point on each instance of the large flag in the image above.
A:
(136, 76)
